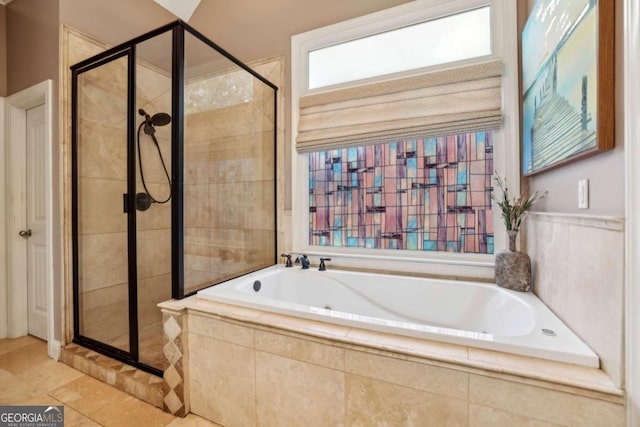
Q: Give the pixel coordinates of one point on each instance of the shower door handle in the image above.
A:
(25, 233)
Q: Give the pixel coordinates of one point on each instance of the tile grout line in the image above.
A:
(468, 400)
(344, 384)
(255, 377)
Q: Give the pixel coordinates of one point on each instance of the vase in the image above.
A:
(513, 268)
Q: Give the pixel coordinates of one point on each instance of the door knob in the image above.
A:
(25, 233)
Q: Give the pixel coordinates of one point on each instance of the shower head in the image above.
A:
(158, 119)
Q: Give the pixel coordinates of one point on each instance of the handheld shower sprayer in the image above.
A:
(144, 200)
(158, 119)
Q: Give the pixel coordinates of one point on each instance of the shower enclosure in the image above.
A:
(173, 186)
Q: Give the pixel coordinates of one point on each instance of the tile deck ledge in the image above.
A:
(550, 374)
(614, 223)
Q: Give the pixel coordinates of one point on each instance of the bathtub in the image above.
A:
(465, 313)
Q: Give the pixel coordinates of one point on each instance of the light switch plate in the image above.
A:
(583, 194)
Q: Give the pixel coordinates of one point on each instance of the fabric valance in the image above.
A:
(462, 100)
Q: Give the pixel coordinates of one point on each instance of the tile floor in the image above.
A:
(29, 377)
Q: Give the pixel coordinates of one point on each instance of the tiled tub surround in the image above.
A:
(578, 267)
(249, 367)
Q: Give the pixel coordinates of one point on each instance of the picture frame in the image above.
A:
(568, 82)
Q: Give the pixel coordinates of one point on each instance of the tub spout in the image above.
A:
(304, 260)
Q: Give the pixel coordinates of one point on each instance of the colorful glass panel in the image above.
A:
(426, 195)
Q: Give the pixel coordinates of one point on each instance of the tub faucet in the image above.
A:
(323, 267)
(304, 260)
(288, 257)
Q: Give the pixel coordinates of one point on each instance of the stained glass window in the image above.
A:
(430, 194)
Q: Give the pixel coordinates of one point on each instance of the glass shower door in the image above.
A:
(101, 223)
(229, 168)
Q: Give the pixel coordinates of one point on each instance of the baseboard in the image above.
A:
(53, 348)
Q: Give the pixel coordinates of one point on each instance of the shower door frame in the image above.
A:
(177, 225)
(131, 356)
(128, 49)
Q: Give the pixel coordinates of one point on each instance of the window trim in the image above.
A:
(504, 45)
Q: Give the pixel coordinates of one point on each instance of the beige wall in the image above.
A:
(248, 29)
(32, 43)
(605, 171)
(3, 51)
(115, 21)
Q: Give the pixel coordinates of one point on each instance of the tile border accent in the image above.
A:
(613, 223)
(174, 395)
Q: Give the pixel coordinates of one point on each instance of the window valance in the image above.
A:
(462, 100)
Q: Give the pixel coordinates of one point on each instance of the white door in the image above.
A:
(36, 232)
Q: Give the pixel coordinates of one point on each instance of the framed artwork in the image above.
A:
(567, 82)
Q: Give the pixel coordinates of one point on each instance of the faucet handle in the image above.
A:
(288, 257)
(322, 266)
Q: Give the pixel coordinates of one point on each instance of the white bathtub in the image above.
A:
(466, 313)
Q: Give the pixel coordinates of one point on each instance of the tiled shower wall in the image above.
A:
(578, 265)
(229, 176)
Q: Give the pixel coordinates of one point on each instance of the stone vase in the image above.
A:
(513, 268)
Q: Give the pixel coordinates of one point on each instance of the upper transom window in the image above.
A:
(443, 40)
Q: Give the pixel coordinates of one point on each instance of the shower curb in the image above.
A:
(126, 378)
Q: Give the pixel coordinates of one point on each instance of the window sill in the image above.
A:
(456, 266)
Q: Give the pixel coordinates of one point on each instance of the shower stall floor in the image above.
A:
(150, 343)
